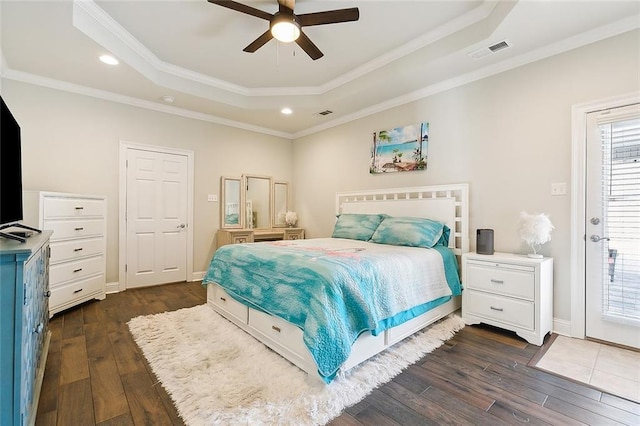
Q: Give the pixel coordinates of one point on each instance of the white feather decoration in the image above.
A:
(535, 230)
(290, 218)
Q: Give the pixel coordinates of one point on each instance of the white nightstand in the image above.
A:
(510, 291)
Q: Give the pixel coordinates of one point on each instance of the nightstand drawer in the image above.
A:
(503, 309)
(501, 280)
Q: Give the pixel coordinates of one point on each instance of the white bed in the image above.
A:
(445, 203)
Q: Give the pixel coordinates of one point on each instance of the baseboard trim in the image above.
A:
(562, 327)
(113, 287)
(197, 276)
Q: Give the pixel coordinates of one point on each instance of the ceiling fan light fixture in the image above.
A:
(284, 28)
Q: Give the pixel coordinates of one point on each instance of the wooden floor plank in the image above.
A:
(75, 406)
(74, 364)
(144, 403)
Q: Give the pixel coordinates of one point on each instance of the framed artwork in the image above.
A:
(401, 149)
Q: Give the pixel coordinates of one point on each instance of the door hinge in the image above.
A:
(125, 267)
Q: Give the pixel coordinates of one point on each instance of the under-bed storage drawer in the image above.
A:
(228, 304)
(279, 331)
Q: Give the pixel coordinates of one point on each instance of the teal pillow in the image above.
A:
(357, 226)
(411, 231)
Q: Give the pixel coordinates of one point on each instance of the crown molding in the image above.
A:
(619, 27)
(136, 102)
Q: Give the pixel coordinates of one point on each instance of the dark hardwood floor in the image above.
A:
(95, 374)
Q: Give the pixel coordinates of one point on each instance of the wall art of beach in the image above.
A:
(400, 149)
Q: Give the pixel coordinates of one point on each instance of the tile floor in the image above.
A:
(608, 368)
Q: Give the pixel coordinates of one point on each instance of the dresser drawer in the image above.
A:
(75, 290)
(227, 303)
(293, 234)
(500, 279)
(506, 310)
(74, 249)
(241, 237)
(278, 330)
(56, 208)
(75, 269)
(66, 229)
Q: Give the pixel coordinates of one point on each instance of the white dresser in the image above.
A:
(78, 244)
(510, 291)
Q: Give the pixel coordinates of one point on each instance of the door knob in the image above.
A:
(596, 238)
(182, 226)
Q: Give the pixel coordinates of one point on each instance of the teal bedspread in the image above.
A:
(334, 289)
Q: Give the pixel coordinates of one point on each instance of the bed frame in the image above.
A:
(446, 203)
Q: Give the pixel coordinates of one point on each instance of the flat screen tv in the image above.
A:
(10, 168)
(11, 177)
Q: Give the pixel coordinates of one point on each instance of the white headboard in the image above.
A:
(445, 203)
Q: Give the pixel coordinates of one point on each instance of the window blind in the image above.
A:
(621, 215)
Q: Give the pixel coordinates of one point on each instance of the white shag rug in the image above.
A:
(218, 374)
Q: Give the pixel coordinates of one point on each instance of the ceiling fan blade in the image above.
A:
(259, 42)
(290, 4)
(242, 8)
(307, 45)
(329, 17)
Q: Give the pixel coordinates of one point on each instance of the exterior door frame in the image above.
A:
(578, 208)
(122, 208)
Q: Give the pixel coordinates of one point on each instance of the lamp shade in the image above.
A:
(284, 28)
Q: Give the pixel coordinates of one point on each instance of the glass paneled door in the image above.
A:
(613, 226)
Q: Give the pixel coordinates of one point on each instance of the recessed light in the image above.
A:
(109, 60)
(286, 111)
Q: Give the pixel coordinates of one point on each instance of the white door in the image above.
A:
(156, 217)
(613, 226)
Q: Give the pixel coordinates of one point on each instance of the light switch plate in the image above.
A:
(212, 198)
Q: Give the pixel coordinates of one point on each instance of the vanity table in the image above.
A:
(239, 236)
(252, 209)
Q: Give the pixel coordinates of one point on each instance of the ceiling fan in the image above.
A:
(284, 25)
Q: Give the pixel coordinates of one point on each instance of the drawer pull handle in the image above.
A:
(38, 329)
(78, 291)
(47, 293)
(79, 229)
(79, 208)
(223, 299)
(497, 281)
(78, 249)
(77, 270)
(276, 328)
(497, 309)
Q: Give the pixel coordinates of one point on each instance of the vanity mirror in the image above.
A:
(230, 202)
(257, 201)
(280, 203)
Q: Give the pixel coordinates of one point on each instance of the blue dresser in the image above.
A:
(24, 332)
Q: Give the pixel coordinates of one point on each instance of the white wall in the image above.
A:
(70, 143)
(509, 136)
